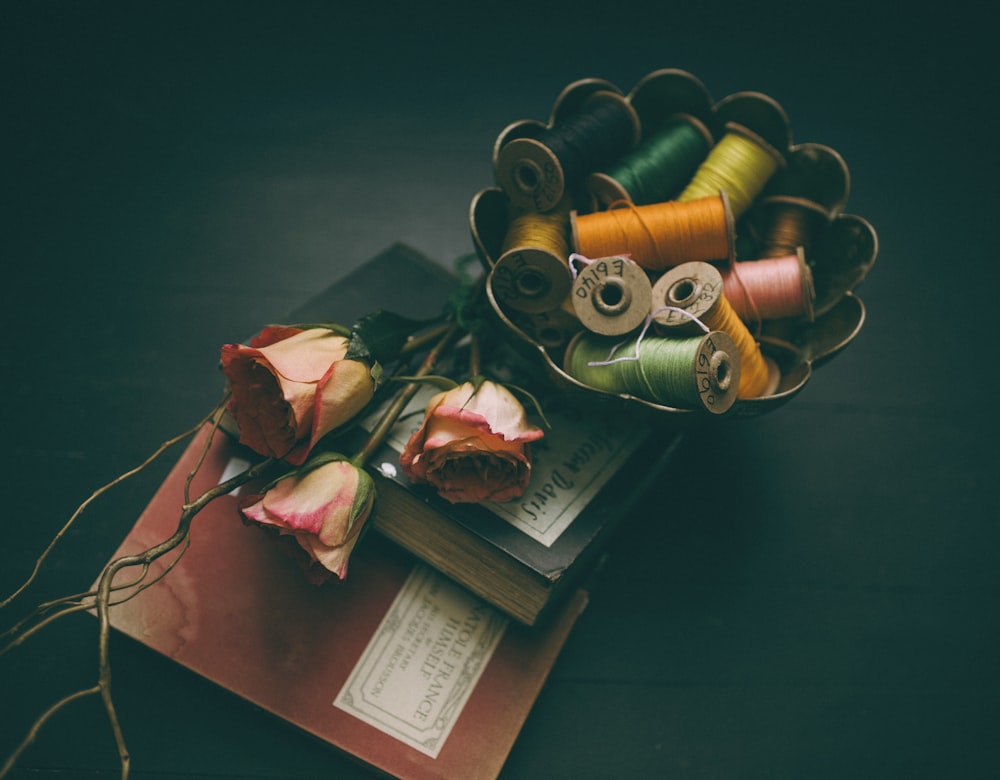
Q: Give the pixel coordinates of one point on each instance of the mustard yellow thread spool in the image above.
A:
(695, 290)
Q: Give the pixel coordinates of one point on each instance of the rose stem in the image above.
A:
(403, 397)
(414, 343)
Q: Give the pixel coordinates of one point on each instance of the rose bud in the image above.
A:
(291, 387)
(323, 507)
(472, 445)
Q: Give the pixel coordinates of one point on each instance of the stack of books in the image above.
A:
(427, 659)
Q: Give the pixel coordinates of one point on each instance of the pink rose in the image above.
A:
(473, 445)
(293, 386)
(323, 508)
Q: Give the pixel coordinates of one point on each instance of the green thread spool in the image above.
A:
(698, 372)
(741, 163)
(658, 168)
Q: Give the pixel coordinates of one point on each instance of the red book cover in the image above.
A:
(396, 665)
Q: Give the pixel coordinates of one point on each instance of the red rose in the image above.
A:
(293, 386)
(473, 445)
(323, 507)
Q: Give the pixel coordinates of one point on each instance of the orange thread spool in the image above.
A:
(697, 288)
(658, 235)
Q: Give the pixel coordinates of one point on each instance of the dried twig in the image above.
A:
(101, 599)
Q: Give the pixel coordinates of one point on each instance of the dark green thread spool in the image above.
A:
(658, 169)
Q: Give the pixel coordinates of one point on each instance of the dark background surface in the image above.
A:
(812, 593)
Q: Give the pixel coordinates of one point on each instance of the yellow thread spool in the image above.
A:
(741, 163)
(697, 289)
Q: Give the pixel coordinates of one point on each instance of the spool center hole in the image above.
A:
(531, 284)
(612, 297)
(722, 373)
(526, 177)
(682, 292)
(550, 337)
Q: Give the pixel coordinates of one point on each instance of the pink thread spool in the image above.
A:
(770, 288)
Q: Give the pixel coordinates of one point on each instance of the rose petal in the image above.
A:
(504, 412)
(344, 391)
(307, 355)
(267, 423)
(273, 333)
(324, 510)
(472, 446)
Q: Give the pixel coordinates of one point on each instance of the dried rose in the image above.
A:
(323, 506)
(293, 386)
(472, 445)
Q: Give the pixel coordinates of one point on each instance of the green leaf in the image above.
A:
(378, 337)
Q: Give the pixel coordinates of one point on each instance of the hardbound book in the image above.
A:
(396, 665)
(525, 555)
(521, 556)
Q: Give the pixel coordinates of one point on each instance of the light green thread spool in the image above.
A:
(699, 372)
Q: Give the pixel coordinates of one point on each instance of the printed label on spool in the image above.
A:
(530, 174)
(717, 372)
(612, 296)
(531, 280)
(686, 294)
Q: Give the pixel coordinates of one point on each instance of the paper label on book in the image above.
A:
(575, 459)
(569, 466)
(424, 661)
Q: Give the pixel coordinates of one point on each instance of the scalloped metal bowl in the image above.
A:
(843, 251)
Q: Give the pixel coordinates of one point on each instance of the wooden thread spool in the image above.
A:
(658, 168)
(611, 295)
(783, 223)
(532, 273)
(659, 235)
(741, 163)
(553, 329)
(771, 288)
(700, 372)
(535, 171)
(691, 296)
